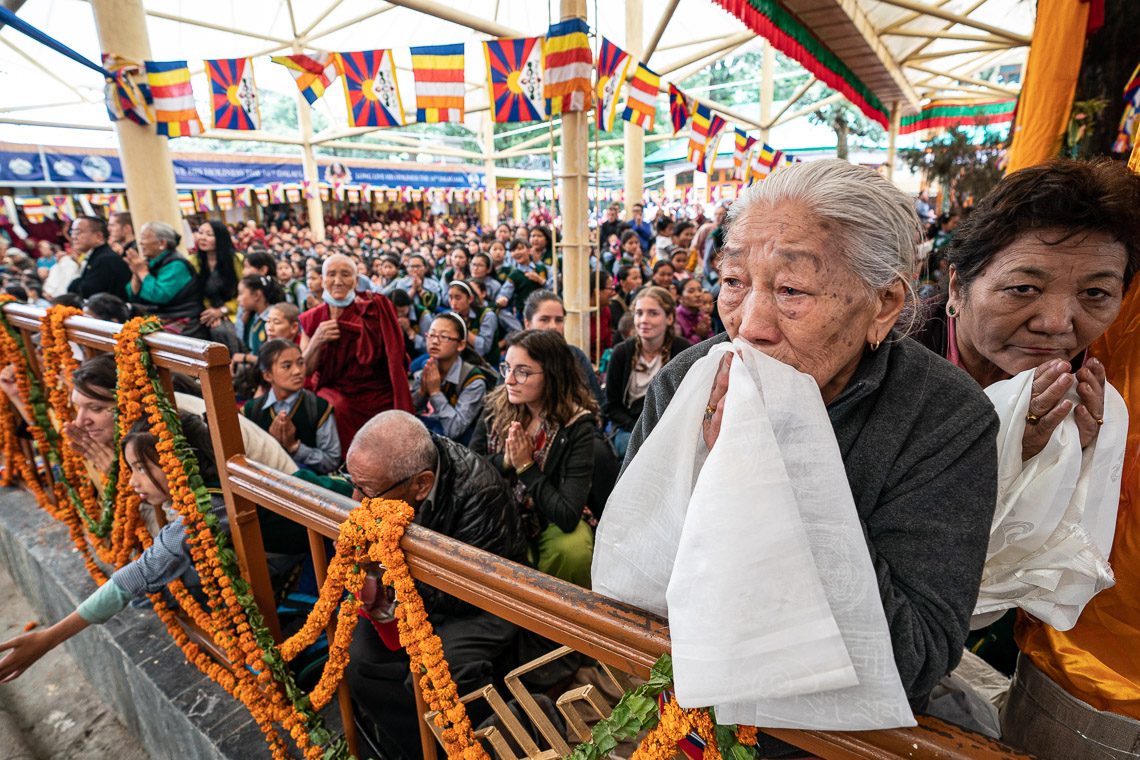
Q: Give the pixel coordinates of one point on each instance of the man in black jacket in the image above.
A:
(458, 494)
(101, 270)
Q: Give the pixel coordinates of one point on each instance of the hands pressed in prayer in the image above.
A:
(283, 429)
(519, 452)
(1048, 405)
(430, 380)
(100, 455)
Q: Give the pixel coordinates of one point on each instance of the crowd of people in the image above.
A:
(423, 359)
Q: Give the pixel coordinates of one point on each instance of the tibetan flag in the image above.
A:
(613, 67)
(276, 192)
(203, 200)
(174, 112)
(438, 71)
(186, 202)
(1130, 119)
(262, 196)
(225, 199)
(740, 153)
(680, 108)
(243, 197)
(64, 208)
(514, 77)
(706, 126)
(117, 202)
(309, 189)
(708, 155)
(312, 73)
(567, 65)
(127, 98)
(370, 89)
(233, 93)
(641, 102)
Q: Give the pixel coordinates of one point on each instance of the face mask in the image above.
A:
(341, 303)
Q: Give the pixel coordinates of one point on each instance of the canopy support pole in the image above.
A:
(892, 139)
(767, 90)
(490, 206)
(313, 206)
(634, 135)
(148, 169)
(575, 247)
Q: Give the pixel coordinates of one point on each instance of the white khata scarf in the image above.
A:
(756, 555)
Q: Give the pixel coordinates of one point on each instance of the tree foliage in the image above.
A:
(965, 169)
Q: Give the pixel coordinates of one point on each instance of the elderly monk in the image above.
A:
(354, 351)
(815, 273)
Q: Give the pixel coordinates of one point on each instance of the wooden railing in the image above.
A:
(617, 635)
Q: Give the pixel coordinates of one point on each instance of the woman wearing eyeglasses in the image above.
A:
(448, 392)
(538, 430)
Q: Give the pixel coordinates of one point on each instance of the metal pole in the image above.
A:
(147, 167)
(634, 135)
(892, 139)
(767, 90)
(490, 215)
(575, 208)
(313, 205)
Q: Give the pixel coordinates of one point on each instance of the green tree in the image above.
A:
(844, 119)
(965, 169)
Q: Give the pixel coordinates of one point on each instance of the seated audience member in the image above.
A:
(481, 322)
(483, 273)
(354, 351)
(448, 392)
(256, 294)
(1038, 273)
(315, 287)
(283, 323)
(683, 234)
(219, 268)
(163, 281)
(693, 324)
(541, 241)
(525, 277)
(291, 285)
(664, 239)
(60, 273)
(413, 321)
(919, 455)
(258, 262)
(637, 360)
(121, 232)
(633, 256)
(103, 270)
(544, 311)
(663, 277)
(679, 258)
(301, 422)
(538, 430)
(424, 290)
(108, 307)
(458, 494)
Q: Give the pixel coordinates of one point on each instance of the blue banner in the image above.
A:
(20, 166)
(97, 170)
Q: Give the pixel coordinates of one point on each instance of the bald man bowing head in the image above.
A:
(354, 351)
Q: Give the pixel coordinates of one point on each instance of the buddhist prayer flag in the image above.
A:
(174, 112)
(514, 76)
(203, 200)
(125, 97)
(641, 103)
(940, 114)
(764, 159)
(293, 194)
(262, 196)
(117, 202)
(370, 89)
(1130, 119)
(707, 160)
(567, 65)
(186, 202)
(613, 66)
(438, 71)
(233, 93)
(741, 147)
(312, 73)
(680, 108)
(64, 208)
(706, 126)
(225, 199)
(309, 189)
(34, 209)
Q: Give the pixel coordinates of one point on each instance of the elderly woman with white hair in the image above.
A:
(815, 273)
(164, 282)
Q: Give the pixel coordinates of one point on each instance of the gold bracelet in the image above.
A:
(524, 468)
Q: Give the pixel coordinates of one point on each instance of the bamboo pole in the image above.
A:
(490, 210)
(148, 169)
(892, 139)
(767, 90)
(651, 47)
(313, 206)
(634, 168)
(575, 245)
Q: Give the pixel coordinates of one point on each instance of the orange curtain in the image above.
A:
(1050, 79)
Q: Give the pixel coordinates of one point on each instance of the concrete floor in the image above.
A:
(53, 711)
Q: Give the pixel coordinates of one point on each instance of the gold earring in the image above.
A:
(875, 345)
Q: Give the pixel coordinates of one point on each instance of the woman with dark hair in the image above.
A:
(483, 272)
(538, 430)
(482, 323)
(1037, 274)
(219, 267)
(256, 293)
(453, 386)
(637, 360)
(108, 307)
(541, 241)
(459, 265)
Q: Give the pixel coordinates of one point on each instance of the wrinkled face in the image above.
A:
(147, 480)
(519, 362)
(149, 244)
(1036, 302)
(204, 238)
(276, 326)
(459, 300)
(550, 316)
(288, 372)
(691, 295)
(96, 416)
(787, 290)
(443, 340)
(650, 319)
(663, 276)
(339, 277)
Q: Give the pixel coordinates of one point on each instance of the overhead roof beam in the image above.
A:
(321, 17)
(834, 97)
(308, 38)
(934, 34)
(919, 58)
(908, 17)
(723, 45)
(651, 46)
(966, 79)
(944, 27)
(791, 102)
(471, 21)
(930, 10)
(45, 70)
(690, 43)
(867, 30)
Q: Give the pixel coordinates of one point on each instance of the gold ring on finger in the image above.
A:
(1032, 418)
(1099, 421)
(710, 410)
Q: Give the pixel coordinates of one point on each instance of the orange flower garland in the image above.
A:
(675, 724)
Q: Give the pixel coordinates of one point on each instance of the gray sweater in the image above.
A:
(918, 441)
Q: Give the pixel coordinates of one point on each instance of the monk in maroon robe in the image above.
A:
(354, 351)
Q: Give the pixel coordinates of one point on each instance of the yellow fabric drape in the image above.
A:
(1098, 661)
(1049, 82)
